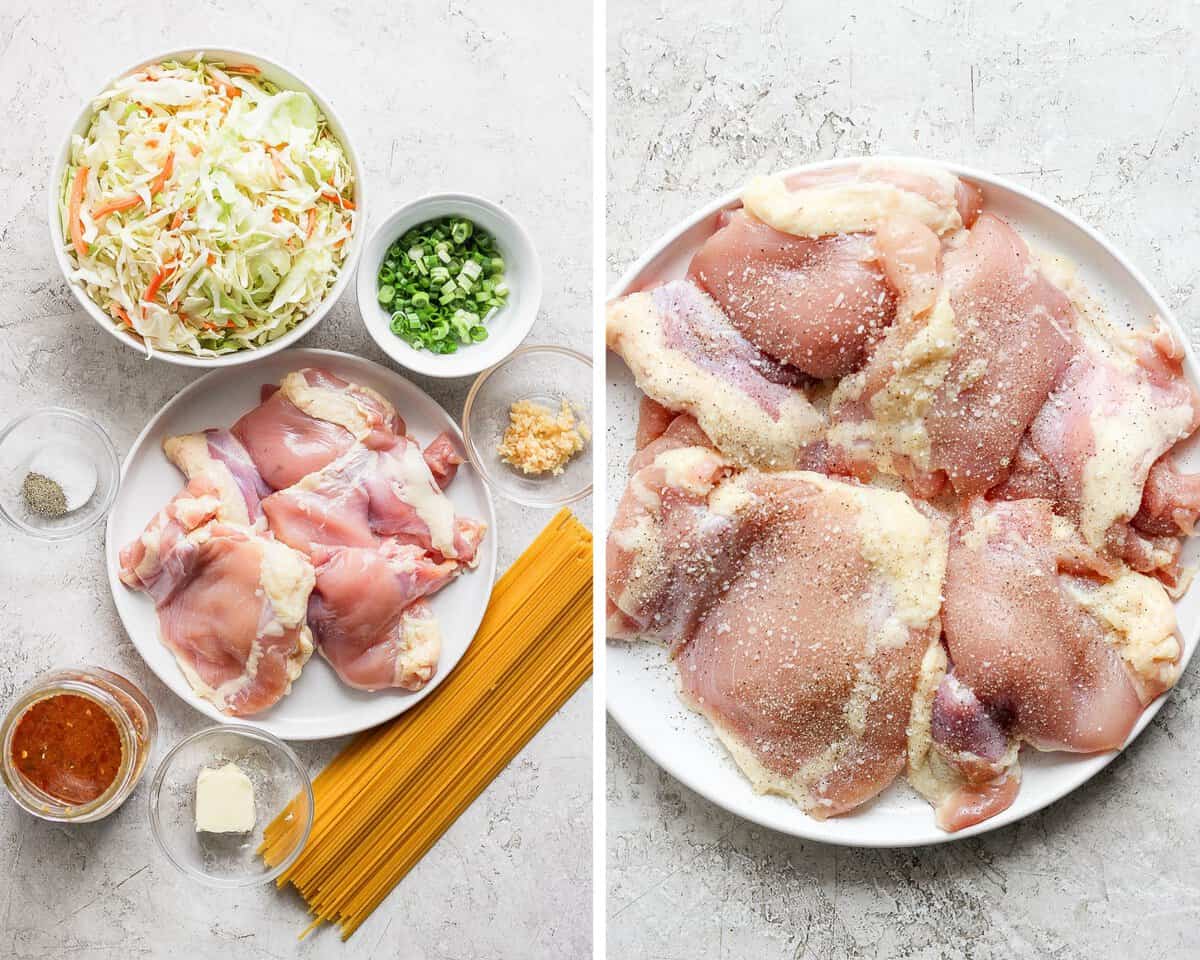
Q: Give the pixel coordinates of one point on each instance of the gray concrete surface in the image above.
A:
(445, 96)
(1091, 104)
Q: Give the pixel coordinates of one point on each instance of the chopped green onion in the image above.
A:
(441, 282)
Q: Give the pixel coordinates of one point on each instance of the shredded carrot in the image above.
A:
(312, 223)
(246, 69)
(195, 148)
(280, 171)
(102, 210)
(276, 216)
(337, 198)
(177, 220)
(212, 258)
(157, 281)
(152, 142)
(160, 181)
(122, 315)
(74, 203)
(129, 201)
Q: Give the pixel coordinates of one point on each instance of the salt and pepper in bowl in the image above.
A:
(59, 473)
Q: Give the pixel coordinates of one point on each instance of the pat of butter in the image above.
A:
(224, 800)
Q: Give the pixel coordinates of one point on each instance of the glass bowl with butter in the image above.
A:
(216, 792)
(527, 426)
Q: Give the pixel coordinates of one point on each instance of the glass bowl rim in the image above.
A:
(251, 732)
(483, 471)
(110, 454)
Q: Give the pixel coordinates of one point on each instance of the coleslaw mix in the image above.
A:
(205, 209)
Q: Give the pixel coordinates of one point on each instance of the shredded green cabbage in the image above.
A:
(233, 207)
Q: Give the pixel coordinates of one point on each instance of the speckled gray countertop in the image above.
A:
(1095, 111)
(436, 96)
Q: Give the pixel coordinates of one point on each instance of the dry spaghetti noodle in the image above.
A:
(388, 797)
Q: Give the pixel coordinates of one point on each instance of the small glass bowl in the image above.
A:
(48, 430)
(546, 375)
(230, 859)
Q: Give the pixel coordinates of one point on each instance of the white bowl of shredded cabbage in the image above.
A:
(207, 207)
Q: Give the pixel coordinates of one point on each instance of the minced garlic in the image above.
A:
(538, 440)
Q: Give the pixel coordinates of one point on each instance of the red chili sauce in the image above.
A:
(68, 747)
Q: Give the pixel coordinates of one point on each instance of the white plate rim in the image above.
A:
(175, 681)
(798, 823)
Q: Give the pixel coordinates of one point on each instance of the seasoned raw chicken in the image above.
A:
(872, 322)
(232, 607)
(960, 757)
(817, 303)
(1170, 501)
(949, 394)
(686, 356)
(809, 691)
(1098, 440)
(666, 546)
(1066, 659)
(859, 197)
(366, 617)
(815, 267)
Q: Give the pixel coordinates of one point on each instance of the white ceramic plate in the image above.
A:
(281, 77)
(319, 705)
(641, 681)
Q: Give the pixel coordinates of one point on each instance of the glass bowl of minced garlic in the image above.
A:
(59, 473)
(527, 426)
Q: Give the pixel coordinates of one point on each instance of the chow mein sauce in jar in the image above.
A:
(75, 744)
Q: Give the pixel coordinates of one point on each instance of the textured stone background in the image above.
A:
(1092, 107)
(436, 96)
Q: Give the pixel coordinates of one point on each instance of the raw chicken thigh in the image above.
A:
(1064, 660)
(960, 757)
(686, 356)
(1097, 440)
(810, 692)
(815, 267)
(365, 617)
(158, 559)
(219, 456)
(817, 303)
(948, 396)
(368, 494)
(310, 420)
(232, 607)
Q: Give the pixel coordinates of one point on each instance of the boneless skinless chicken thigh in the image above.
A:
(840, 338)
(314, 517)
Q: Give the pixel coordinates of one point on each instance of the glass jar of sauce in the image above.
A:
(75, 744)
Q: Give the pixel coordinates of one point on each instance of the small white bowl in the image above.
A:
(506, 329)
(283, 78)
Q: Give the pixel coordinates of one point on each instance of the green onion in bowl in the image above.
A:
(442, 281)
